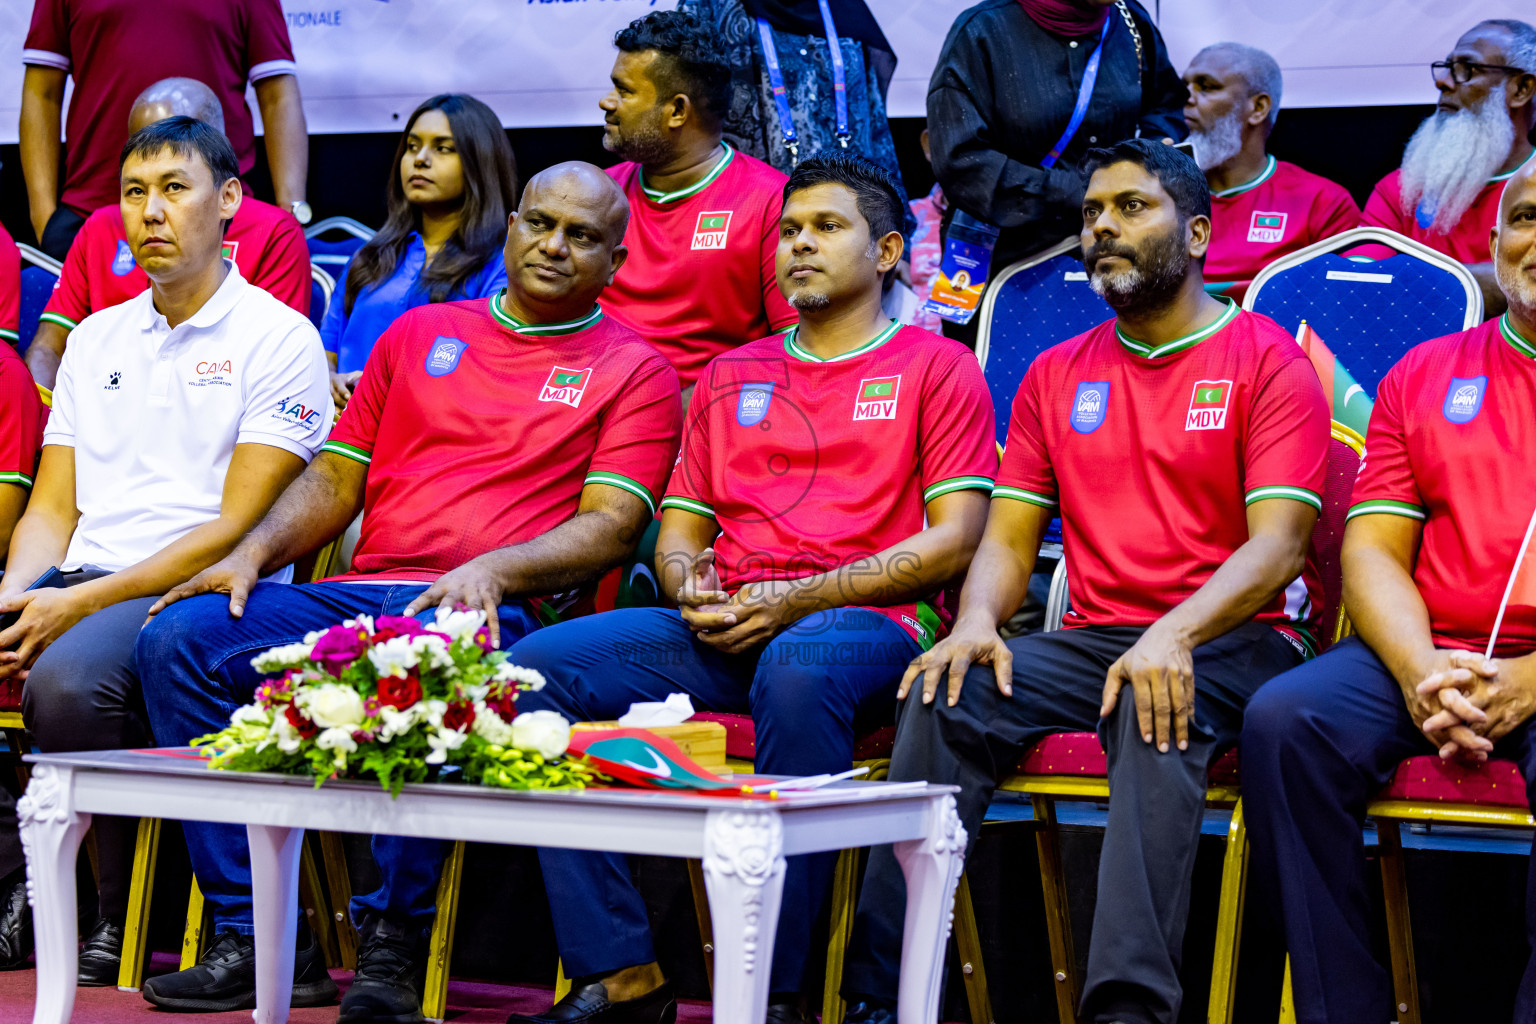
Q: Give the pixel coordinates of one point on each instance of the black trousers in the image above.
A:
(83, 694)
(10, 840)
(1154, 819)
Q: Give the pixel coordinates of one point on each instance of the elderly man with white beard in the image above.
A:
(1446, 194)
(1261, 208)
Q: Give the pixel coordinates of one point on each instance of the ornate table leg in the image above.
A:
(744, 875)
(275, 900)
(50, 836)
(932, 866)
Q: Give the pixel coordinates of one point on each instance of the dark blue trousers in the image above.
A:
(804, 691)
(196, 670)
(1318, 742)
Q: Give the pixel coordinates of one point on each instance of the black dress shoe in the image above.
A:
(870, 1013)
(15, 921)
(225, 978)
(387, 986)
(101, 957)
(589, 1005)
(787, 1013)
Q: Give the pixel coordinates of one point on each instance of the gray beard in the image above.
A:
(1220, 142)
(1152, 281)
(1451, 157)
(810, 302)
(1518, 289)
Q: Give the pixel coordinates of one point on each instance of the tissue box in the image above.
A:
(704, 742)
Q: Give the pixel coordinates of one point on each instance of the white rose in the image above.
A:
(489, 727)
(276, 659)
(255, 714)
(339, 740)
(393, 657)
(457, 625)
(441, 741)
(334, 706)
(510, 673)
(542, 732)
(287, 737)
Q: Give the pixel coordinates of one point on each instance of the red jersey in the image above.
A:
(103, 44)
(699, 279)
(1284, 209)
(1452, 443)
(1152, 455)
(21, 420)
(1467, 242)
(480, 431)
(266, 244)
(10, 289)
(808, 465)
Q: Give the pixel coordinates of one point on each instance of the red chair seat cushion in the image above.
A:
(741, 737)
(1427, 778)
(10, 694)
(1079, 753)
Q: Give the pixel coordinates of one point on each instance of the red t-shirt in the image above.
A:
(266, 244)
(1467, 242)
(699, 279)
(21, 420)
(1452, 442)
(115, 49)
(10, 288)
(1153, 455)
(1284, 209)
(479, 432)
(809, 465)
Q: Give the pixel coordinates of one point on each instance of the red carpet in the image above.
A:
(469, 1002)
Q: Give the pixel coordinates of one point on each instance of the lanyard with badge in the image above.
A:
(968, 243)
(781, 95)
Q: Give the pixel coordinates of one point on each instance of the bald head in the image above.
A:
(1514, 246)
(176, 97)
(565, 242)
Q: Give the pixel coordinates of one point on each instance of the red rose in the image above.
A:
(460, 715)
(399, 693)
(504, 704)
(302, 724)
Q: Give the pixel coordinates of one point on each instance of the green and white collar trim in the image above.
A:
(512, 323)
(698, 186)
(1522, 346)
(1511, 172)
(1168, 348)
(1237, 190)
(793, 347)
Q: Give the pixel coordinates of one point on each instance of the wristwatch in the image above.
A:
(301, 211)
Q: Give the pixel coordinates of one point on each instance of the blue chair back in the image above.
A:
(36, 287)
(1034, 304)
(1369, 312)
(321, 288)
(333, 242)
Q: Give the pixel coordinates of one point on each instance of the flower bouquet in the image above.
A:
(394, 700)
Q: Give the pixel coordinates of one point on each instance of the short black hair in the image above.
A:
(184, 136)
(692, 60)
(1174, 169)
(873, 187)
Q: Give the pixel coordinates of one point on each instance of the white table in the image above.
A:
(742, 843)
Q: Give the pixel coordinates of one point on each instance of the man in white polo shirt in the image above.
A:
(178, 418)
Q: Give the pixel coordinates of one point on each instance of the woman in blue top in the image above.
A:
(447, 224)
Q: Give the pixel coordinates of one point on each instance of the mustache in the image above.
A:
(1107, 247)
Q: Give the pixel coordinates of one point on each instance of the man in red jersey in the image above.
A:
(1446, 194)
(1440, 515)
(266, 245)
(703, 216)
(1261, 208)
(501, 450)
(1206, 428)
(833, 482)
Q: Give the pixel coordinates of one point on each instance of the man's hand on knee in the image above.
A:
(474, 584)
(970, 643)
(1160, 670)
(234, 576)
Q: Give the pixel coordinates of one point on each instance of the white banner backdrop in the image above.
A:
(365, 64)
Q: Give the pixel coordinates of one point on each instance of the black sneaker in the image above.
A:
(101, 956)
(15, 921)
(225, 978)
(391, 963)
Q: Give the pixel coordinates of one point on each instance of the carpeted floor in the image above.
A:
(469, 1002)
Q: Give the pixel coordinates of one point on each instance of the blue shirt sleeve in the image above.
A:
(492, 278)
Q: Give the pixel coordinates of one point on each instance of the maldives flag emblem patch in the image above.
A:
(1266, 227)
(565, 385)
(877, 398)
(1208, 405)
(710, 230)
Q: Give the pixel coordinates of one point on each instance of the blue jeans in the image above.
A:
(803, 690)
(196, 662)
(1318, 742)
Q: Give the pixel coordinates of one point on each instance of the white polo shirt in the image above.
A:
(154, 413)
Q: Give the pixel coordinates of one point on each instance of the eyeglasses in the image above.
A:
(1463, 70)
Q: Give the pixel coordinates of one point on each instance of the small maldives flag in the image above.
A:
(1209, 394)
(1348, 404)
(1520, 593)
